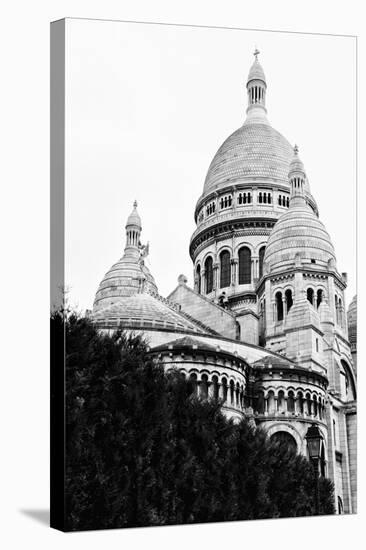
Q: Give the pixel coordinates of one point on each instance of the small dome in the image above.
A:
(134, 218)
(256, 72)
(129, 275)
(125, 278)
(296, 165)
(352, 321)
(299, 236)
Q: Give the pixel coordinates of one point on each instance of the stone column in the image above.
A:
(215, 276)
(203, 282)
(266, 406)
(210, 386)
(234, 263)
(221, 391)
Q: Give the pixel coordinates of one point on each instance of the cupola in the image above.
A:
(256, 85)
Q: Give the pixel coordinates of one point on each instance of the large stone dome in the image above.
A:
(256, 151)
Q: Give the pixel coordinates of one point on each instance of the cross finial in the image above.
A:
(135, 204)
(256, 53)
(296, 149)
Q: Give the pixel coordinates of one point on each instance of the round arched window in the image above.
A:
(284, 438)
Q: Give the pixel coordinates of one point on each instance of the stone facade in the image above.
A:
(264, 329)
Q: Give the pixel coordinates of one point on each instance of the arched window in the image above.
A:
(261, 258)
(279, 305)
(300, 403)
(284, 438)
(319, 297)
(215, 387)
(271, 402)
(289, 301)
(315, 406)
(249, 197)
(260, 197)
(281, 401)
(269, 198)
(265, 198)
(224, 389)
(204, 387)
(287, 202)
(291, 402)
(310, 295)
(240, 198)
(198, 272)
(280, 200)
(349, 390)
(245, 266)
(308, 404)
(225, 271)
(209, 274)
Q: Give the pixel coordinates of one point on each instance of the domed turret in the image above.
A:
(256, 150)
(298, 235)
(129, 275)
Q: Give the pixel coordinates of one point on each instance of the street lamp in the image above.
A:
(313, 440)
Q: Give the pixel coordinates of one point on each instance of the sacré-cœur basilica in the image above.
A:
(265, 328)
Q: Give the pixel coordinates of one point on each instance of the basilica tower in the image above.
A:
(246, 190)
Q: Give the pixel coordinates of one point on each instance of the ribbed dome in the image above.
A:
(352, 321)
(256, 150)
(299, 235)
(125, 278)
(130, 274)
(143, 311)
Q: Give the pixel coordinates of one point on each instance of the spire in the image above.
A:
(133, 229)
(297, 178)
(256, 85)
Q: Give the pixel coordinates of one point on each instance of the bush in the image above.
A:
(140, 450)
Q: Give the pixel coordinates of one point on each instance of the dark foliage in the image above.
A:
(142, 451)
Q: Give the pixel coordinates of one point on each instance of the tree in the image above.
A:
(142, 450)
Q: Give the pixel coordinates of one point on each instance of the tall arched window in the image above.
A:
(289, 301)
(310, 295)
(261, 258)
(319, 297)
(284, 438)
(291, 402)
(209, 274)
(245, 266)
(225, 271)
(198, 275)
(279, 304)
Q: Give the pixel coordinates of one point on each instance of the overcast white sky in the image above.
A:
(147, 107)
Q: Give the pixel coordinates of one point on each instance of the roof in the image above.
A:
(144, 311)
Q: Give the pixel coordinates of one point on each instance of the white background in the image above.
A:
(25, 267)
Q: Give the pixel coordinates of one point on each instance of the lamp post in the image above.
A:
(313, 439)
